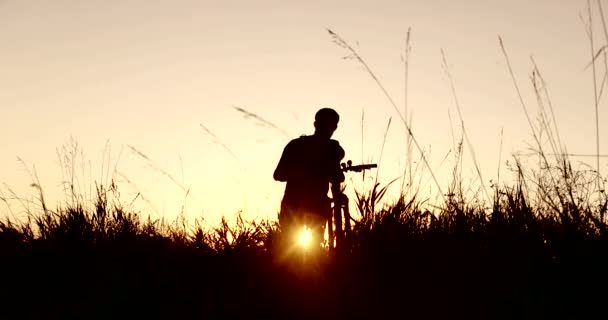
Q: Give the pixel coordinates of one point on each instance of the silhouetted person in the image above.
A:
(309, 164)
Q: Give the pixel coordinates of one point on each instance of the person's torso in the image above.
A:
(318, 161)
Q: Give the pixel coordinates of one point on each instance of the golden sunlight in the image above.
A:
(305, 237)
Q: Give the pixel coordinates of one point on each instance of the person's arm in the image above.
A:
(337, 174)
(285, 170)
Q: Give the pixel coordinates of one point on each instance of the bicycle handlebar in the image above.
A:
(348, 166)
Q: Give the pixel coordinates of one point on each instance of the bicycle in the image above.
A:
(338, 231)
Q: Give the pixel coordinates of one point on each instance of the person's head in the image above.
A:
(326, 122)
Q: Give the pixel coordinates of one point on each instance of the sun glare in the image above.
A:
(305, 237)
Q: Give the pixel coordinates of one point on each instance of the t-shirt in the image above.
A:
(308, 164)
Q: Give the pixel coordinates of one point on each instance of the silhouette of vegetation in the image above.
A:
(537, 250)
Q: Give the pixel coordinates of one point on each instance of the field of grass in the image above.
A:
(536, 252)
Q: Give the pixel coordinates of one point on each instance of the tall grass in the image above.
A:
(540, 250)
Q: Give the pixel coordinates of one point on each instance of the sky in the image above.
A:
(150, 91)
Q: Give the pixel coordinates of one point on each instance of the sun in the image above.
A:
(305, 237)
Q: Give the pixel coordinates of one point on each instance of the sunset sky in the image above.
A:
(147, 74)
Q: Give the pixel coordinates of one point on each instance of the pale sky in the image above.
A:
(147, 74)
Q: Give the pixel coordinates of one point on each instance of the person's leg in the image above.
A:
(287, 223)
(318, 230)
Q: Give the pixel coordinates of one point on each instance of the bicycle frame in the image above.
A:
(342, 232)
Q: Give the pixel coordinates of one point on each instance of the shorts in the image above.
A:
(293, 218)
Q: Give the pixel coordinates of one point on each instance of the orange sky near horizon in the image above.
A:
(146, 74)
